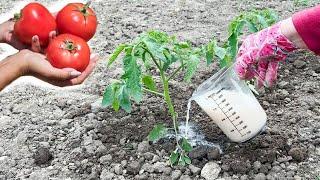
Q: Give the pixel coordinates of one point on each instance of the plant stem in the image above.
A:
(153, 58)
(175, 72)
(153, 92)
(166, 95)
(168, 100)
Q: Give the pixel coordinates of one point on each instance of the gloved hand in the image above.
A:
(260, 54)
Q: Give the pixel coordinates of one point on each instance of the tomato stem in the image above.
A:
(88, 4)
(17, 16)
(69, 45)
(84, 10)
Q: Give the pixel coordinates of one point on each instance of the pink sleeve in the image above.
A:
(307, 23)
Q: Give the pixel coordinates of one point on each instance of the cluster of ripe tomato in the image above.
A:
(76, 24)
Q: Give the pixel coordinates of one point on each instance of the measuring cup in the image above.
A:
(231, 105)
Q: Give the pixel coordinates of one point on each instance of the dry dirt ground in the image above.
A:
(65, 133)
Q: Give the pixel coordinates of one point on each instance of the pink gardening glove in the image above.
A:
(260, 54)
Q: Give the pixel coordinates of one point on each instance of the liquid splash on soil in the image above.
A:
(191, 132)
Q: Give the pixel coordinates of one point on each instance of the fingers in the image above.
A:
(271, 75)
(94, 57)
(240, 69)
(262, 69)
(268, 71)
(70, 77)
(52, 35)
(35, 45)
(62, 74)
(244, 66)
(11, 25)
(93, 61)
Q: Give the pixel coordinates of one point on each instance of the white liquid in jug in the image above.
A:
(237, 115)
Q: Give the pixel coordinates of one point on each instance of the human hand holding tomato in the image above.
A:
(77, 24)
(36, 64)
(34, 19)
(7, 36)
(70, 51)
(67, 66)
(30, 33)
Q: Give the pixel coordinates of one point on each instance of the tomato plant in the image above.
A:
(255, 21)
(77, 19)
(155, 49)
(68, 51)
(34, 19)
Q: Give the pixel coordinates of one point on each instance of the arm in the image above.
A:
(10, 69)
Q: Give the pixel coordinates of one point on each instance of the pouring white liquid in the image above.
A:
(237, 115)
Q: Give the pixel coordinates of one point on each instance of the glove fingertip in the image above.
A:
(240, 70)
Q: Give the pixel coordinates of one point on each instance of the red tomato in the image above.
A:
(77, 19)
(68, 51)
(34, 19)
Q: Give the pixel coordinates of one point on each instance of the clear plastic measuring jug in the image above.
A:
(231, 105)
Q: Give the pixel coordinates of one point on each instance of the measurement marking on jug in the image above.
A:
(222, 108)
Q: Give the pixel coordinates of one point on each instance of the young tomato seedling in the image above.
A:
(157, 50)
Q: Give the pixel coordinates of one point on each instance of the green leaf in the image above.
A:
(132, 77)
(262, 21)
(272, 16)
(170, 58)
(158, 36)
(116, 53)
(183, 45)
(117, 96)
(108, 96)
(233, 44)
(182, 162)
(174, 157)
(125, 101)
(233, 25)
(155, 49)
(149, 82)
(117, 91)
(226, 61)
(146, 60)
(239, 27)
(158, 132)
(111, 96)
(252, 27)
(220, 52)
(187, 159)
(185, 145)
(116, 104)
(209, 52)
(192, 66)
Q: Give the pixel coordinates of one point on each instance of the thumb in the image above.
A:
(35, 45)
(63, 74)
